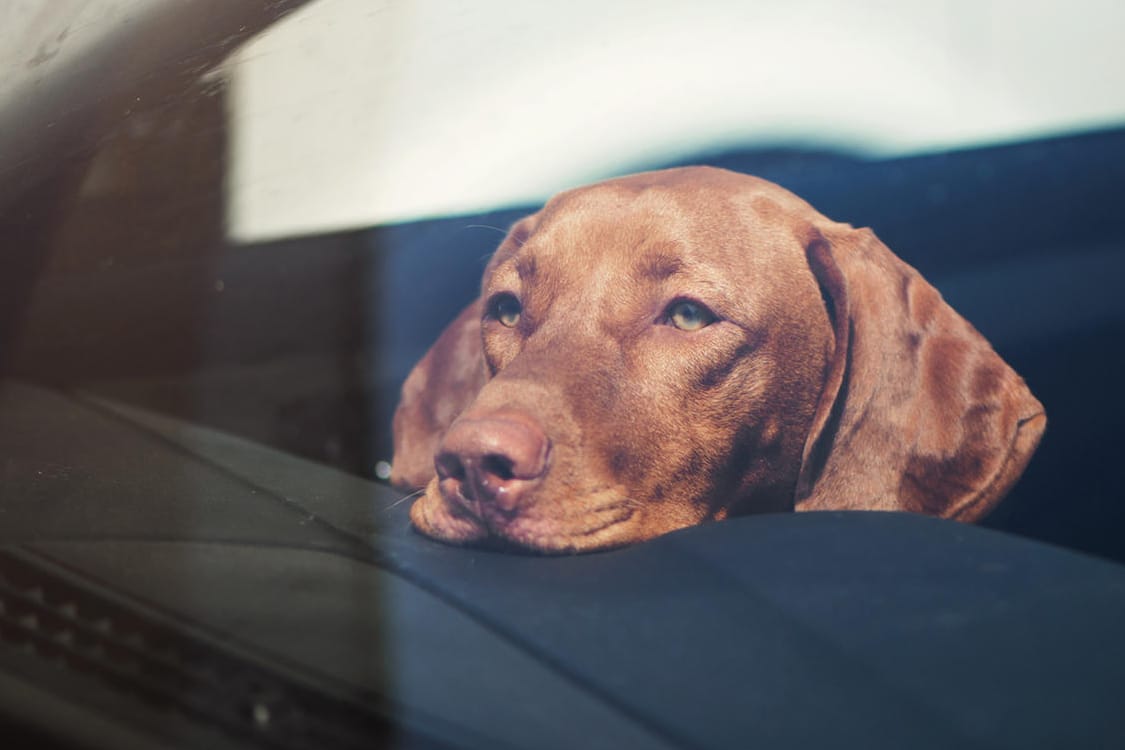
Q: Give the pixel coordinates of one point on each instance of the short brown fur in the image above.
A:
(835, 376)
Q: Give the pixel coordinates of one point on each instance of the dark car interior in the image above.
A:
(198, 549)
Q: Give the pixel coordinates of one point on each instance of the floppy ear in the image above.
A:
(441, 386)
(918, 412)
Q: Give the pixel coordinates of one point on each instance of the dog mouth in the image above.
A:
(545, 535)
(601, 522)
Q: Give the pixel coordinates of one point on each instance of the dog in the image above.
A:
(675, 347)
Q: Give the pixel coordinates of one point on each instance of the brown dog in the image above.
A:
(675, 347)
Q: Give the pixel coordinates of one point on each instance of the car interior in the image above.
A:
(199, 547)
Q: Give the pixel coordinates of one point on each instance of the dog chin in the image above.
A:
(446, 522)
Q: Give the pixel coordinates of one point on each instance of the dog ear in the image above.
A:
(918, 412)
(441, 386)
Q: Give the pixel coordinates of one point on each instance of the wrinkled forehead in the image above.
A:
(657, 224)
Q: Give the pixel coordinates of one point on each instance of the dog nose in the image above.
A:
(492, 460)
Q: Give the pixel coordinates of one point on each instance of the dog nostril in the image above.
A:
(449, 466)
(499, 466)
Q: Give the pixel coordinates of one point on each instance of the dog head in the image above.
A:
(675, 347)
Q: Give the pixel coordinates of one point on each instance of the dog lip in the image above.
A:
(544, 537)
(517, 530)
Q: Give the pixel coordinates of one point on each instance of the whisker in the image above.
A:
(484, 258)
(401, 500)
(633, 504)
(486, 226)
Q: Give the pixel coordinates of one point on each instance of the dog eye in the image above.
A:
(689, 316)
(505, 308)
